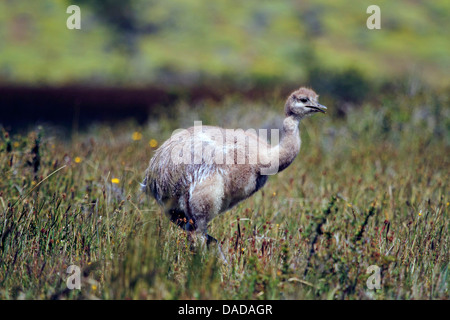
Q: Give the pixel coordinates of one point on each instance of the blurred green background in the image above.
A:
(184, 43)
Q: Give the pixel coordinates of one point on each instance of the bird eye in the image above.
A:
(304, 100)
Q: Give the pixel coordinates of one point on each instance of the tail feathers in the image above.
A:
(144, 185)
(152, 187)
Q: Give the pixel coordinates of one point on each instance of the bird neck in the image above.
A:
(290, 142)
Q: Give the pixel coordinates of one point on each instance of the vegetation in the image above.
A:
(368, 188)
(140, 42)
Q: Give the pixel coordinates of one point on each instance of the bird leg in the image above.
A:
(210, 239)
(203, 203)
(178, 217)
(205, 238)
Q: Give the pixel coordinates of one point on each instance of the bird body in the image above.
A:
(203, 171)
(207, 186)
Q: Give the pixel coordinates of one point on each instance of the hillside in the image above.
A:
(137, 42)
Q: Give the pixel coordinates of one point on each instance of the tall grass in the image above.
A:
(367, 189)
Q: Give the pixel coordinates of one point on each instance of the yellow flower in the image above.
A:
(274, 194)
(33, 183)
(16, 144)
(94, 287)
(115, 180)
(420, 213)
(77, 159)
(349, 205)
(136, 136)
(153, 143)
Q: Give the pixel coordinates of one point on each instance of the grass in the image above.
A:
(370, 188)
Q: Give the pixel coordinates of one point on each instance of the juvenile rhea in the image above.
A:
(201, 172)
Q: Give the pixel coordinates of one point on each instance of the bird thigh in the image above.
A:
(205, 200)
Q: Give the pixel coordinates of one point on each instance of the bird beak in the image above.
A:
(319, 108)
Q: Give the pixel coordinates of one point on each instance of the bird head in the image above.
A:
(303, 102)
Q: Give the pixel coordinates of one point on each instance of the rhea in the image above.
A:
(201, 172)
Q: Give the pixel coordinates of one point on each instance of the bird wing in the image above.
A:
(194, 154)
